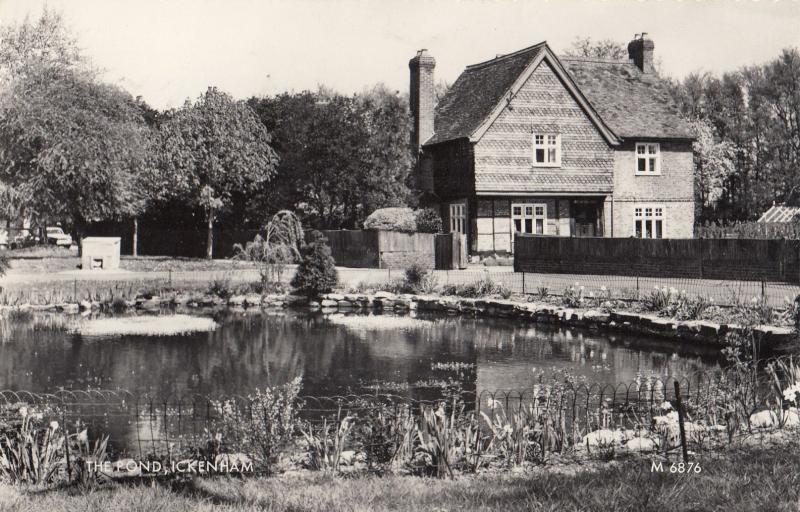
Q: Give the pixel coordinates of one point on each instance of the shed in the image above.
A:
(100, 253)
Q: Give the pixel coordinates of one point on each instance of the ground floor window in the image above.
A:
(648, 221)
(529, 218)
(458, 218)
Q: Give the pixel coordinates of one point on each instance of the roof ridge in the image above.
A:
(500, 58)
(597, 60)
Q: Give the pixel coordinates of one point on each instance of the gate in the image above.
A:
(450, 251)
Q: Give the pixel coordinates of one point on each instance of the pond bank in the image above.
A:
(629, 322)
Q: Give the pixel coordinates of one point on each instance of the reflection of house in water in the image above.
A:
(517, 361)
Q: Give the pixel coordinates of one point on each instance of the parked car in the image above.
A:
(56, 236)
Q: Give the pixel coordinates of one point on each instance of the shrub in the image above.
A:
(221, 287)
(262, 426)
(4, 264)
(428, 221)
(573, 296)
(278, 247)
(418, 279)
(392, 219)
(482, 288)
(316, 273)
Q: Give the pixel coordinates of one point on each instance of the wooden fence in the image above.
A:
(749, 259)
(381, 249)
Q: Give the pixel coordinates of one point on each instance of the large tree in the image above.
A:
(72, 148)
(213, 151)
(341, 156)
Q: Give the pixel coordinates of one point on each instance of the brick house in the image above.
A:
(535, 143)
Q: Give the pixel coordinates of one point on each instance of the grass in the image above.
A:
(752, 479)
(46, 259)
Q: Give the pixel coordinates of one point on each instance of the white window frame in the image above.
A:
(649, 215)
(458, 218)
(652, 161)
(549, 141)
(532, 212)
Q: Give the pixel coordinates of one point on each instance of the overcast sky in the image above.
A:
(168, 50)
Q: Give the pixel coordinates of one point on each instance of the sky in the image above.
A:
(170, 50)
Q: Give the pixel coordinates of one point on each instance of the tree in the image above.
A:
(341, 157)
(72, 148)
(212, 150)
(601, 49)
(280, 245)
(316, 273)
(714, 162)
(29, 46)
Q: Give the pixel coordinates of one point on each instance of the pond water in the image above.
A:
(334, 355)
(237, 352)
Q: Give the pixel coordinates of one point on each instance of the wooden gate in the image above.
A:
(450, 251)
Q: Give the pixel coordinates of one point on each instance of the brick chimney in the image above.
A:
(421, 95)
(640, 51)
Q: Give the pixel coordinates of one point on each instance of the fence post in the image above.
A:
(523, 282)
(170, 277)
(684, 448)
(75, 290)
(763, 290)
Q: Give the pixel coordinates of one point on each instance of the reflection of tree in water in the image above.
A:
(257, 349)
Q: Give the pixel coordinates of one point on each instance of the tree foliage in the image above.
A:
(31, 45)
(71, 148)
(749, 141)
(213, 151)
(279, 246)
(600, 49)
(316, 274)
(341, 156)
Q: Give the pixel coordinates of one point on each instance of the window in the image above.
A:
(648, 159)
(648, 221)
(546, 150)
(458, 218)
(529, 218)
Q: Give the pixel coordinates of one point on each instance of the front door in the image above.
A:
(587, 218)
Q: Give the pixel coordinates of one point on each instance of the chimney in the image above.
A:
(421, 95)
(640, 51)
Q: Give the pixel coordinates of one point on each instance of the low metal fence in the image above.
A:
(717, 407)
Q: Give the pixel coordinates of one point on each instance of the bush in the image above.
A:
(392, 219)
(4, 264)
(483, 288)
(316, 273)
(428, 221)
(221, 287)
(418, 279)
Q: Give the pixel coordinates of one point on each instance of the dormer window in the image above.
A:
(546, 150)
(648, 159)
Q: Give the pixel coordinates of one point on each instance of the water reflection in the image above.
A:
(41, 352)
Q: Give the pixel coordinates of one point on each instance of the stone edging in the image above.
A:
(702, 331)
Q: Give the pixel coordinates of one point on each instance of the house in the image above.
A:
(530, 142)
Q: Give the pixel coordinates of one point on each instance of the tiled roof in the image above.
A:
(780, 213)
(543, 181)
(631, 103)
(476, 92)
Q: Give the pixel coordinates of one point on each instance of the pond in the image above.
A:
(334, 354)
(171, 377)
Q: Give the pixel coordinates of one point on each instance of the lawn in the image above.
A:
(48, 259)
(750, 479)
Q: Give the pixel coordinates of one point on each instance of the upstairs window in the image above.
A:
(648, 159)
(648, 221)
(546, 150)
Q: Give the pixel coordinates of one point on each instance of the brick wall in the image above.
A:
(673, 189)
